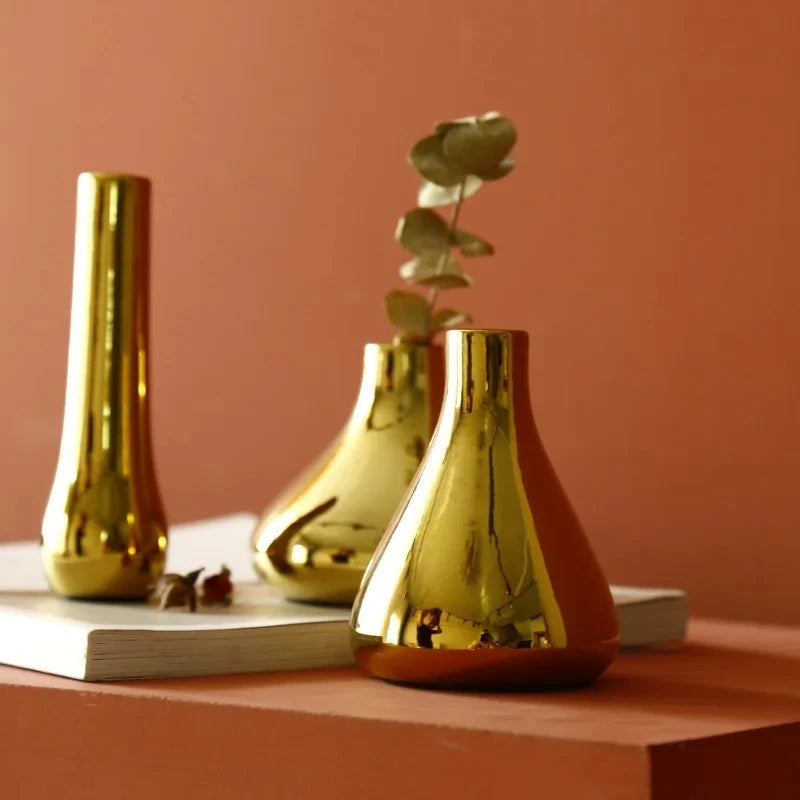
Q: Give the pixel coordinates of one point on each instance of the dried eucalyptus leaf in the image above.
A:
(412, 338)
(408, 271)
(448, 318)
(445, 280)
(421, 229)
(429, 160)
(435, 271)
(471, 245)
(408, 311)
(430, 195)
(441, 129)
(500, 171)
(480, 147)
(427, 264)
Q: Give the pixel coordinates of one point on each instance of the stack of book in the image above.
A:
(258, 632)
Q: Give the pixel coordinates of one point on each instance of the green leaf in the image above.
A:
(408, 311)
(431, 195)
(429, 160)
(500, 171)
(479, 147)
(435, 271)
(447, 318)
(421, 230)
(471, 245)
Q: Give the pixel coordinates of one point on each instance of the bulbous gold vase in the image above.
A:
(484, 577)
(104, 532)
(315, 540)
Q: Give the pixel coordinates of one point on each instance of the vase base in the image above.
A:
(112, 576)
(495, 668)
(333, 586)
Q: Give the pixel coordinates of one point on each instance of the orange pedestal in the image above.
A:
(720, 719)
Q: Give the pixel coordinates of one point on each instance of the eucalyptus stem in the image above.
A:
(433, 292)
(458, 156)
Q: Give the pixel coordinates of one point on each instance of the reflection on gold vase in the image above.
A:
(315, 540)
(104, 533)
(484, 576)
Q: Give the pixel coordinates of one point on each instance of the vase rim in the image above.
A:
(513, 332)
(384, 346)
(102, 176)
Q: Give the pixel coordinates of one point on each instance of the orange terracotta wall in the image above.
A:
(650, 241)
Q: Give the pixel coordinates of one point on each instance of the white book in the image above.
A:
(259, 632)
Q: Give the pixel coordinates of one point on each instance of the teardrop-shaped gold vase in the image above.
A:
(315, 540)
(484, 577)
(104, 533)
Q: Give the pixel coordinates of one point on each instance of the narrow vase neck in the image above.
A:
(106, 399)
(397, 371)
(486, 368)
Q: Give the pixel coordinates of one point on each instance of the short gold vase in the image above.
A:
(315, 540)
(484, 577)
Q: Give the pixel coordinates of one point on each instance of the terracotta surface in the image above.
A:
(649, 242)
(721, 718)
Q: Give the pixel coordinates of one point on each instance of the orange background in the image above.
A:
(649, 240)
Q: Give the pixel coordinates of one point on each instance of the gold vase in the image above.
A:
(104, 533)
(314, 542)
(484, 577)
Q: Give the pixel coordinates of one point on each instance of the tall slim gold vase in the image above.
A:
(104, 533)
(315, 540)
(484, 576)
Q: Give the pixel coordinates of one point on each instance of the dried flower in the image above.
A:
(218, 589)
(173, 590)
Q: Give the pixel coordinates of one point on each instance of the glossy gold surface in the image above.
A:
(484, 576)
(104, 533)
(314, 542)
